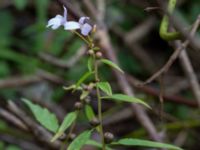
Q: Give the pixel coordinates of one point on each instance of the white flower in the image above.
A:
(84, 26)
(59, 20)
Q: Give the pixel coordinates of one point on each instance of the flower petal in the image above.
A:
(85, 29)
(55, 22)
(65, 13)
(82, 19)
(71, 25)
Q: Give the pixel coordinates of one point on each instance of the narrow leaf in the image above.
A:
(145, 143)
(110, 63)
(68, 120)
(96, 144)
(126, 98)
(105, 87)
(84, 94)
(43, 116)
(89, 112)
(90, 63)
(83, 78)
(80, 141)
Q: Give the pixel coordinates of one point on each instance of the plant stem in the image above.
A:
(99, 105)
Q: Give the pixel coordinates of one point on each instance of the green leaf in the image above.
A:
(84, 94)
(145, 143)
(69, 119)
(80, 141)
(89, 112)
(96, 144)
(43, 116)
(90, 63)
(20, 4)
(110, 63)
(126, 98)
(105, 86)
(83, 78)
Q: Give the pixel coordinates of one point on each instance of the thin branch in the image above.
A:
(174, 56)
(189, 71)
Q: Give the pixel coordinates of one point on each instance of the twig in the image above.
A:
(12, 119)
(63, 63)
(24, 144)
(150, 90)
(176, 53)
(187, 66)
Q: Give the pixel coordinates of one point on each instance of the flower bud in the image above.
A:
(78, 105)
(90, 52)
(94, 122)
(62, 137)
(98, 54)
(72, 136)
(90, 86)
(108, 137)
(87, 100)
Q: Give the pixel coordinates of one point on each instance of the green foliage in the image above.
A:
(126, 98)
(89, 112)
(69, 119)
(145, 143)
(105, 87)
(20, 4)
(80, 141)
(43, 116)
(83, 78)
(111, 64)
(96, 144)
(90, 63)
(13, 147)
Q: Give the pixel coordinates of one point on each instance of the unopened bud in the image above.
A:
(90, 52)
(94, 122)
(72, 136)
(98, 54)
(108, 137)
(78, 105)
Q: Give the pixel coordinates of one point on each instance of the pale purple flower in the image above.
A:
(59, 20)
(84, 26)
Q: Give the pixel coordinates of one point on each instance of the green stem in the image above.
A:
(99, 106)
(82, 37)
(164, 34)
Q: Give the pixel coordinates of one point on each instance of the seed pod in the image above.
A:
(94, 122)
(72, 136)
(98, 54)
(108, 137)
(78, 105)
(90, 52)
(90, 86)
(62, 137)
(87, 100)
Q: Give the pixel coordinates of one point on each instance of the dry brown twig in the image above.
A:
(174, 56)
(189, 71)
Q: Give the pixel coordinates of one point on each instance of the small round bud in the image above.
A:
(72, 136)
(87, 100)
(78, 105)
(62, 137)
(97, 80)
(90, 52)
(108, 137)
(90, 86)
(98, 54)
(94, 29)
(94, 122)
